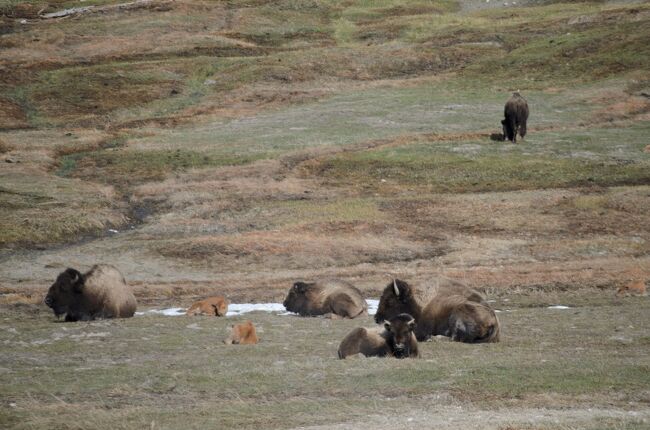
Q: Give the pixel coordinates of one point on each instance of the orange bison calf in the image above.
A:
(395, 339)
(212, 306)
(636, 288)
(242, 334)
(99, 293)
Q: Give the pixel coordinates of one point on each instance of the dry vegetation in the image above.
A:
(235, 146)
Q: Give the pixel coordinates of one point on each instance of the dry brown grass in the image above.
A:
(629, 107)
(6, 147)
(12, 116)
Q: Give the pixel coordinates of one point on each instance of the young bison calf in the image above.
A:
(395, 339)
(212, 306)
(242, 334)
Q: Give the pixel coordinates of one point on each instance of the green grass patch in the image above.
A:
(136, 371)
(603, 157)
(129, 166)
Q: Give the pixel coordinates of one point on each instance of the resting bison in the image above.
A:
(636, 288)
(332, 298)
(99, 293)
(242, 334)
(516, 113)
(395, 339)
(212, 306)
(453, 311)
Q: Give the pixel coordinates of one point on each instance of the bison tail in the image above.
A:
(522, 129)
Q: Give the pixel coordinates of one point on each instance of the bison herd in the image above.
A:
(453, 310)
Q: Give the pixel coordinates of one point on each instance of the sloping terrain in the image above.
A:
(236, 146)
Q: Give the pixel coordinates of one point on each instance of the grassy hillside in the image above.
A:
(236, 146)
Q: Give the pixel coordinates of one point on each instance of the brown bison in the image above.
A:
(332, 298)
(212, 306)
(99, 293)
(395, 339)
(242, 334)
(451, 312)
(516, 113)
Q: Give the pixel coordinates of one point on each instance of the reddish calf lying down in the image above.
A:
(242, 334)
(212, 306)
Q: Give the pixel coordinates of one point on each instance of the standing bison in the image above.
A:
(395, 339)
(454, 311)
(99, 293)
(331, 298)
(516, 113)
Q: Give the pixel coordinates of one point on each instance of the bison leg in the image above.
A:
(509, 128)
(462, 332)
(522, 130)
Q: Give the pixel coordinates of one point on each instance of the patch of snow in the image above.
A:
(372, 306)
(170, 312)
(243, 308)
(559, 307)
(235, 309)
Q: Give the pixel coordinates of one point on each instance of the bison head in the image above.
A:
(65, 291)
(400, 334)
(396, 299)
(296, 300)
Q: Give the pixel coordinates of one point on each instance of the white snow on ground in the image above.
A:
(170, 312)
(235, 309)
(372, 306)
(243, 308)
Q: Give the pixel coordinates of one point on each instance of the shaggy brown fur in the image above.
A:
(447, 313)
(636, 288)
(99, 293)
(242, 334)
(402, 298)
(516, 113)
(332, 298)
(395, 339)
(212, 306)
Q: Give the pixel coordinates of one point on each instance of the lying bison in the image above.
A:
(332, 298)
(242, 334)
(516, 113)
(453, 311)
(99, 293)
(395, 339)
(212, 306)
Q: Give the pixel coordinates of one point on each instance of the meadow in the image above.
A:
(235, 146)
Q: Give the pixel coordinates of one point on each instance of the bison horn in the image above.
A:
(395, 288)
(411, 324)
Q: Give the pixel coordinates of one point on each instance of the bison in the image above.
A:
(212, 306)
(242, 334)
(455, 310)
(395, 339)
(331, 298)
(635, 288)
(99, 293)
(516, 113)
